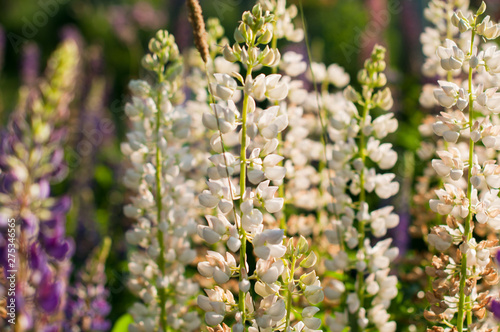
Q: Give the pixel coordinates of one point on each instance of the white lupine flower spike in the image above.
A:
(241, 191)
(368, 291)
(468, 194)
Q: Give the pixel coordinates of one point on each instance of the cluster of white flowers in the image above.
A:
(283, 19)
(356, 145)
(162, 206)
(245, 208)
(471, 180)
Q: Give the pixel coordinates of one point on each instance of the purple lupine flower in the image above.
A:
(30, 65)
(495, 307)
(43, 249)
(50, 293)
(88, 307)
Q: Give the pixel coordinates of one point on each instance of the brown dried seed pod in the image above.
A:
(432, 298)
(435, 329)
(491, 278)
(479, 313)
(431, 316)
(199, 32)
(451, 222)
(431, 271)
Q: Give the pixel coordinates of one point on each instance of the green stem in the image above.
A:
(362, 199)
(289, 299)
(243, 171)
(467, 226)
(161, 257)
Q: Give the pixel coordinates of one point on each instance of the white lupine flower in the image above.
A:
(308, 318)
(334, 289)
(271, 170)
(384, 186)
(338, 322)
(451, 55)
(217, 195)
(388, 287)
(217, 267)
(353, 302)
(491, 58)
(252, 218)
(276, 90)
(272, 311)
(488, 29)
(340, 261)
(383, 219)
(491, 172)
(270, 123)
(450, 164)
(269, 244)
(383, 99)
(427, 99)
(450, 94)
(223, 166)
(381, 153)
(431, 40)
(226, 120)
(319, 70)
(256, 87)
(372, 286)
(440, 238)
(337, 76)
(489, 99)
(314, 293)
(450, 201)
(224, 87)
(380, 317)
(166, 135)
(225, 67)
(266, 193)
(384, 125)
(362, 320)
(292, 64)
(488, 209)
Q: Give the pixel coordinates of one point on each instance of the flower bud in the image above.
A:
(474, 61)
(455, 19)
(239, 35)
(248, 19)
(149, 63)
(234, 244)
(266, 37)
(351, 94)
(381, 80)
(463, 25)
(481, 9)
(213, 318)
(268, 57)
(238, 327)
(257, 11)
(302, 245)
(244, 285)
(451, 136)
(140, 88)
(363, 78)
(228, 54)
(309, 261)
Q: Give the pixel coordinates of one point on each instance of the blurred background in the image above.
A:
(113, 36)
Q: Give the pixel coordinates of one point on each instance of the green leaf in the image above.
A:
(122, 323)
